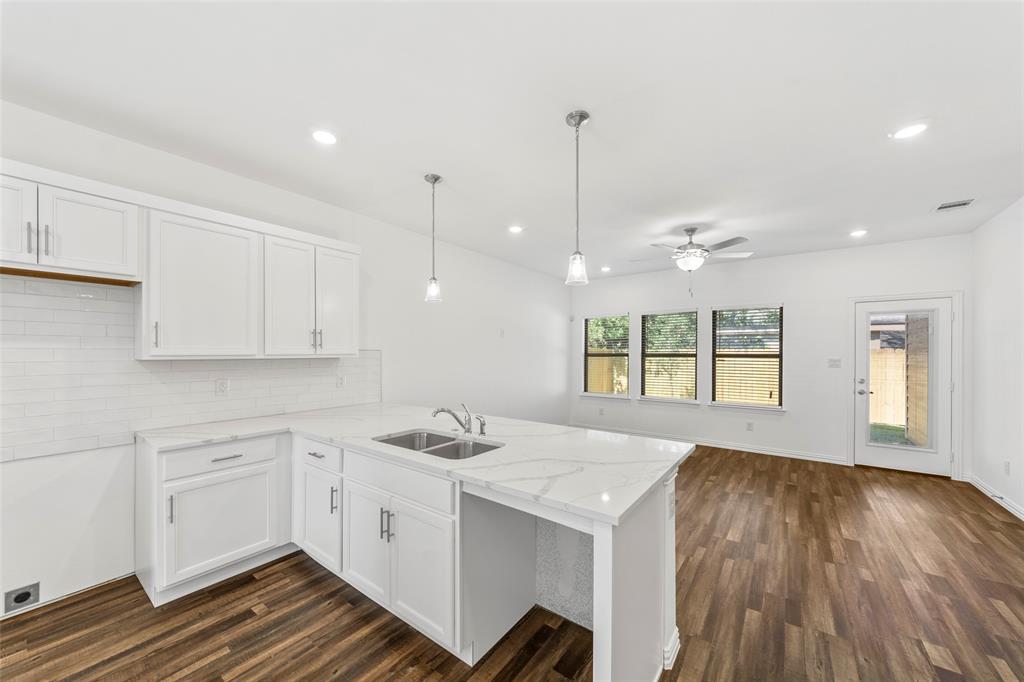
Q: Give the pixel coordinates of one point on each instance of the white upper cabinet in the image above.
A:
(84, 232)
(289, 297)
(337, 302)
(201, 289)
(18, 230)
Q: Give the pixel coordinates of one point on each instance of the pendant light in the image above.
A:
(577, 263)
(433, 286)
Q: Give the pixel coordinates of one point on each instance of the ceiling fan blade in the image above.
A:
(734, 254)
(726, 244)
(645, 260)
(665, 246)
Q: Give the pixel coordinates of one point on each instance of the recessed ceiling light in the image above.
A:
(324, 137)
(606, 268)
(515, 229)
(858, 233)
(909, 131)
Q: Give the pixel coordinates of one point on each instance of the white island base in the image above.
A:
(635, 633)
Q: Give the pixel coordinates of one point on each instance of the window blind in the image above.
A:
(669, 355)
(746, 366)
(606, 355)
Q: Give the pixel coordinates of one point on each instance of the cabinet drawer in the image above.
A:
(319, 454)
(430, 491)
(216, 457)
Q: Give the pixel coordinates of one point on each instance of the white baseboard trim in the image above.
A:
(745, 447)
(1002, 500)
(671, 650)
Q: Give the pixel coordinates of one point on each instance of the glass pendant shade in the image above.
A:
(577, 270)
(433, 291)
(691, 259)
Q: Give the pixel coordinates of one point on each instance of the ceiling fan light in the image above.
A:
(577, 270)
(433, 291)
(691, 259)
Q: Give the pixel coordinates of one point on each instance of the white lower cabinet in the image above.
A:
(215, 519)
(402, 555)
(316, 514)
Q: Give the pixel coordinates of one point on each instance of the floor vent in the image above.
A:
(950, 205)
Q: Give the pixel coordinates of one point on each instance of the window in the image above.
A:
(669, 356)
(606, 355)
(746, 368)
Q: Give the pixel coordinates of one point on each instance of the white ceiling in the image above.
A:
(767, 120)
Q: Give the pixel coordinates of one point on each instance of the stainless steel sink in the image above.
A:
(438, 444)
(462, 449)
(415, 440)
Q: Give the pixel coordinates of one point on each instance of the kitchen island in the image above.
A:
(463, 571)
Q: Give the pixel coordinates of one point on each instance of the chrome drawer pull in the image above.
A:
(334, 505)
(315, 454)
(224, 459)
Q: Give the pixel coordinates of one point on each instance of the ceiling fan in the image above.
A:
(691, 255)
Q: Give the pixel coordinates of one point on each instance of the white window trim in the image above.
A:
(676, 401)
(744, 406)
(582, 363)
(711, 354)
(640, 356)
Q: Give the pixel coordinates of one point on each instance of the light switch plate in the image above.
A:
(835, 363)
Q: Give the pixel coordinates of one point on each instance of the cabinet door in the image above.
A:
(422, 570)
(365, 553)
(85, 232)
(202, 288)
(18, 241)
(337, 302)
(318, 503)
(289, 297)
(215, 519)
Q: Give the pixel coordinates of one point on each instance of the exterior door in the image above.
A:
(321, 515)
(903, 375)
(215, 519)
(85, 232)
(366, 540)
(289, 294)
(203, 283)
(337, 301)
(18, 229)
(422, 570)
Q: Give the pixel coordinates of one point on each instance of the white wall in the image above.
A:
(495, 316)
(998, 359)
(815, 290)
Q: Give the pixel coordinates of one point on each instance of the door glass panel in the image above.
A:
(899, 406)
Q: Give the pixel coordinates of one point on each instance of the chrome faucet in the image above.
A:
(466, 424)
(483, 423)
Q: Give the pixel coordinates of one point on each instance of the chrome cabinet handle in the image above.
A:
(321, 333)
(28, 233)
(315, 454)
(382, 523)
(156, 335)
(46, 248)
(314, 338)
(390, 534)
(170, 516)
(334, 504)
(226, 458)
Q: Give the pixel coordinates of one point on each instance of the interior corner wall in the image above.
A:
(997, 357)
(816, 291)
(501, 349)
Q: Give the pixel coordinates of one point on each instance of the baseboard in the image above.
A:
(1007, 504)
(671, 650)
(745, 447)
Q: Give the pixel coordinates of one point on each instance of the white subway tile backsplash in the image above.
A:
(69, 380)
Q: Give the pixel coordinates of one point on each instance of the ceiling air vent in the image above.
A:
(950, 205)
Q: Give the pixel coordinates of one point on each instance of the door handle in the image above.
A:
(28, 233)
(861, 391)
(334, 505)
(382, 523)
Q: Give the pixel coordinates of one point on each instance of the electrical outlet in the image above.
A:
(835, 363)
(341, 381)
(1006, 467)
(750, 426)
(21, 597)
(501, 332)
(600, 411)
(221, 386)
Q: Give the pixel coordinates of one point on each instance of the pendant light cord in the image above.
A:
(433, 247)
(577, 187)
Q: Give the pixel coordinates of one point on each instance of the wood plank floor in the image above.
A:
(788, 570)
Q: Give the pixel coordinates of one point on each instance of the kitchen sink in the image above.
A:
(438, 444)
(415, 440)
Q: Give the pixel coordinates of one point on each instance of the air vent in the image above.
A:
(950, 205)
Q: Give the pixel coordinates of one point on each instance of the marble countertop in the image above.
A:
(596, 474)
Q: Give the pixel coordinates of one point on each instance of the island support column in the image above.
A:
(635, 632)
